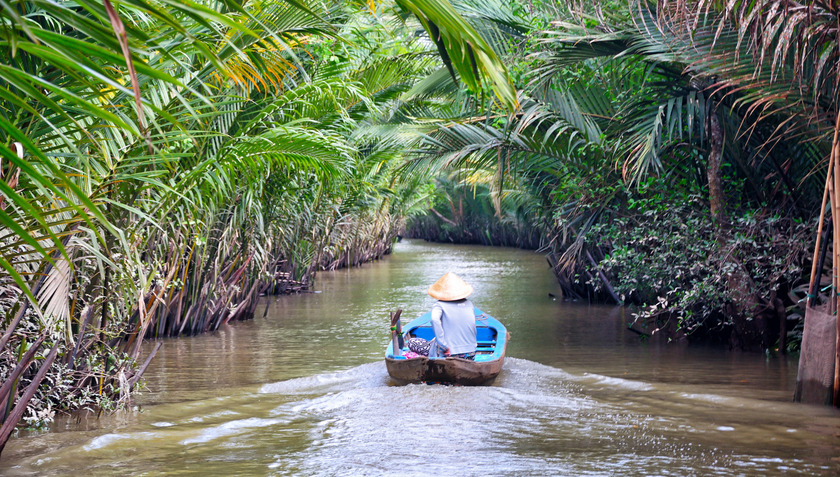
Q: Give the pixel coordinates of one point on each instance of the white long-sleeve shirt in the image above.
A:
(454, 325)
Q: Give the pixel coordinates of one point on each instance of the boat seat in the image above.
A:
(485, 336)
(425, 332)
(483, 333)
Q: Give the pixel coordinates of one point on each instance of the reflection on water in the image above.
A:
(304, 391)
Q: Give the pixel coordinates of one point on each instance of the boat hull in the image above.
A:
(448, 370)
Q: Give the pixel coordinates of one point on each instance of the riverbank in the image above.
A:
(686, 278)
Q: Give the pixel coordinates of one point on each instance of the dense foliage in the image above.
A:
(163, 164)
(179, 159)
(670, 258)
(676, 150)
(467, 214)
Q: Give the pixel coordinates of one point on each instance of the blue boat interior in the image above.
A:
(487, 336)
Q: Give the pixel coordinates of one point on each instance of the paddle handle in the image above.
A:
(396, 333)
(399, 328)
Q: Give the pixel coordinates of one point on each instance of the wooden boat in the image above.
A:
(492, 337)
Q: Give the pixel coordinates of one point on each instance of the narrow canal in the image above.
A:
(304, 391)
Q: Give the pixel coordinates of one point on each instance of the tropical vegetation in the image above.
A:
(673, 156)
(164, 164)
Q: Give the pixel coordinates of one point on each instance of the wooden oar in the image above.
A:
(396, 336)
(398, 324)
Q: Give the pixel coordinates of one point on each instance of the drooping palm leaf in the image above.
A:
(462, 49)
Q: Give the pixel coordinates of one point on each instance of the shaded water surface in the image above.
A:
(304, 391)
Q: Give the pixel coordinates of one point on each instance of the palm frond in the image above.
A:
(461, 48)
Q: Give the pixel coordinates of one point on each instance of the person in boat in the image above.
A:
(453, 321)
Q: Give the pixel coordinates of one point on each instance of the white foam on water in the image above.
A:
(366, 375)
(712, 398)
(214, 415)
(231, 428)
(108, 439)
(619, 382)
(102, 441)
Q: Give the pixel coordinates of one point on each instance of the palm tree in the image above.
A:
(632, 90)
(785, 57)
(174, 162)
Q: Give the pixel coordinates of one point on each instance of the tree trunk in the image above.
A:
(835, 213)
(716, 200)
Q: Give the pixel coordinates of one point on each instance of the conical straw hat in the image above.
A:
(450, 287)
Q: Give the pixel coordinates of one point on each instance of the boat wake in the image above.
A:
(532, 420)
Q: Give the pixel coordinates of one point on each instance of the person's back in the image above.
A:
(453, 321)
(454, 325)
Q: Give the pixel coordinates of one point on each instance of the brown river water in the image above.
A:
(304, 391)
